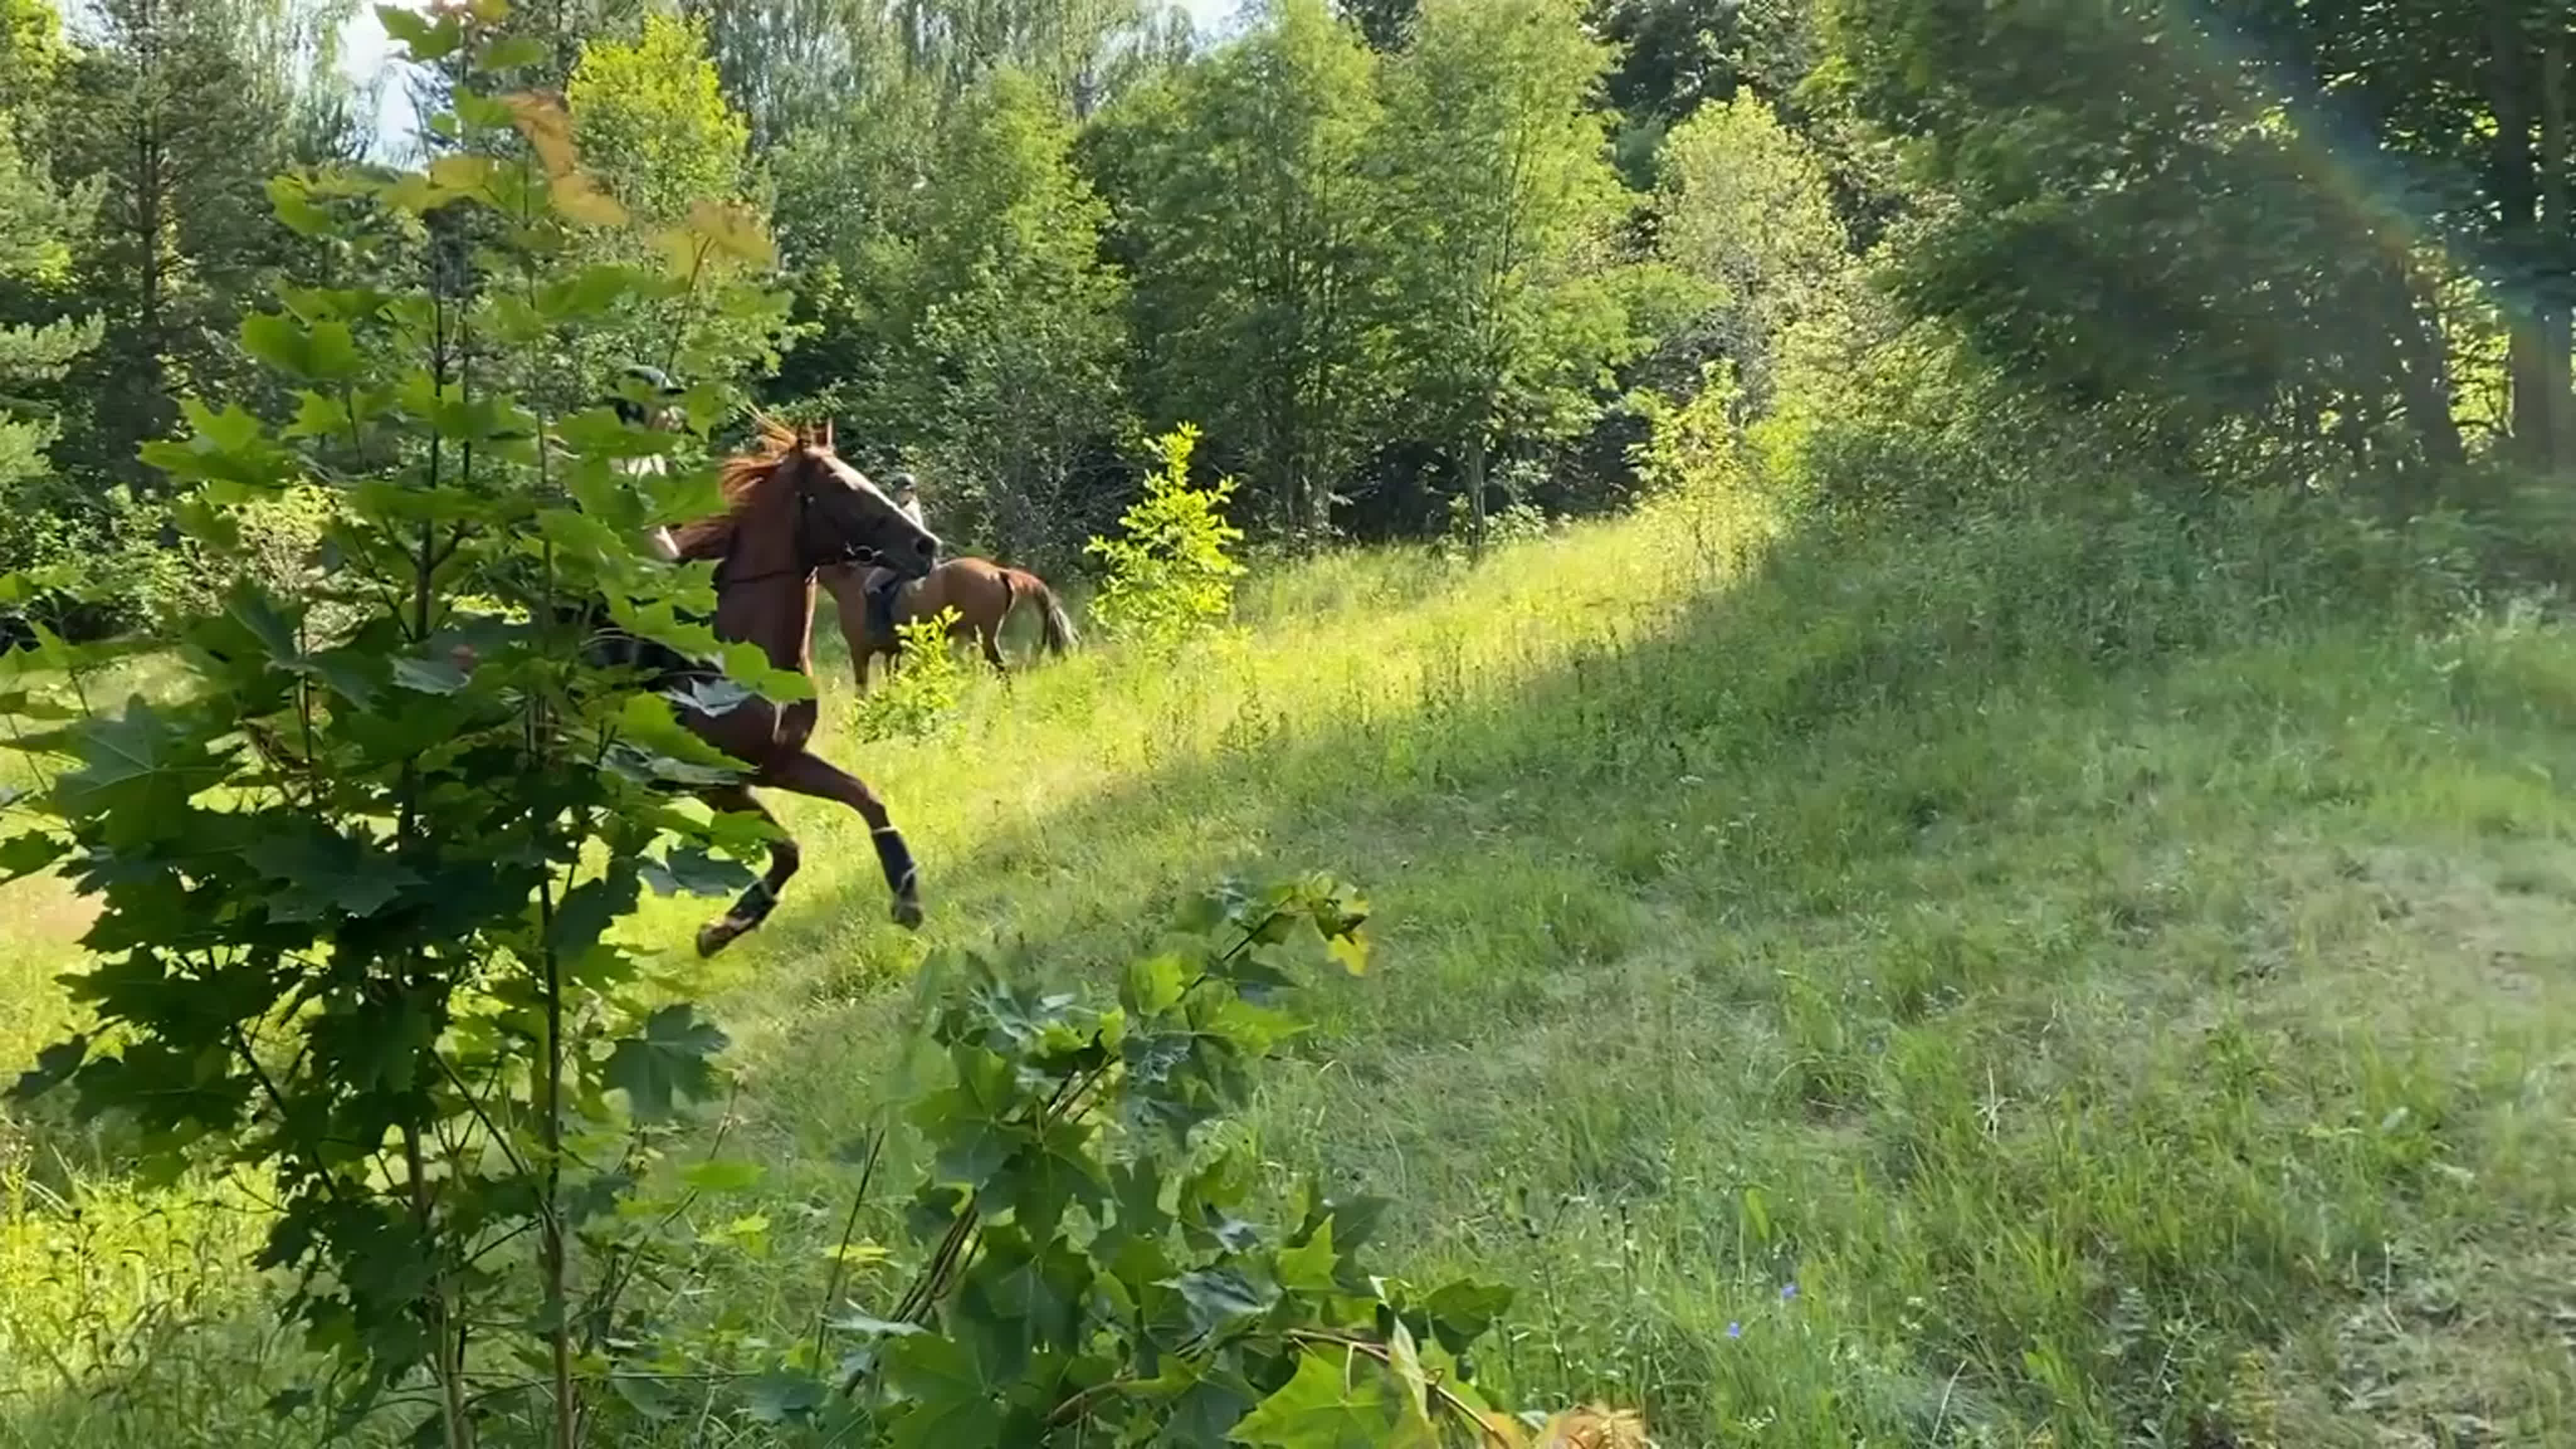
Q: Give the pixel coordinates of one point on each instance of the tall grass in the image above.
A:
(2037, 979)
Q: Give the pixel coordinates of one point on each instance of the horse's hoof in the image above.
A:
(907, 913)
(715, 936)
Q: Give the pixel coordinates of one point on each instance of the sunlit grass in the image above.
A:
(1850, 1001)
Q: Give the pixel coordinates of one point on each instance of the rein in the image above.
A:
(803, 504)
(723, 582)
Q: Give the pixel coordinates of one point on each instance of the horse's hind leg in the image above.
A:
(990, 636)
(851, 604)
(808, 774)
(756, 903)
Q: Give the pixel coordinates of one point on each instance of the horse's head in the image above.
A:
(844, 518)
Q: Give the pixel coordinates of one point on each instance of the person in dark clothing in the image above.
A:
(883, 583)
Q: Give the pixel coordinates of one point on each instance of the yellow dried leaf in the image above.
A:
(733, 231)
(540, 116)
(1595, 1427)
(578, 199)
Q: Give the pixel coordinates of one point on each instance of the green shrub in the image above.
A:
(922, 686)
(1514, 522)
(356, 902)
(89, 568)
(1171, 567)
(272, 540)
(1093, 1263)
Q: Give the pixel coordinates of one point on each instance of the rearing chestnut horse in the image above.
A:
(793, 507)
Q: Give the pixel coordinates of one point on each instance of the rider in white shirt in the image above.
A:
(659, 411)
(663, 413)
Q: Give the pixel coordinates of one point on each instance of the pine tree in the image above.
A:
(180, 126)
(43, 326)
(36, 225)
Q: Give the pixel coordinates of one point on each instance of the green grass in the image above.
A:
(1963, 990)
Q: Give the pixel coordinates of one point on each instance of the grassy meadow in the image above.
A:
(2026, 985)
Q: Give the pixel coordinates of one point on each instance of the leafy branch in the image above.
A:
(357, 903)
(1092, 1269)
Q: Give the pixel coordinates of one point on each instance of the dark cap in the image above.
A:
(653, 378)
(639, 376)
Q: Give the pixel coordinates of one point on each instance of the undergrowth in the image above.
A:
(921, 689)
(2058, 973)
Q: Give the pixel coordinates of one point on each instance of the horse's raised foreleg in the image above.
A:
(808, 774)
(756, 903)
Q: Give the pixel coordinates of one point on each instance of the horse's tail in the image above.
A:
(1059, 635)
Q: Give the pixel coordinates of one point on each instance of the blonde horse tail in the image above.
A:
(1059, 635)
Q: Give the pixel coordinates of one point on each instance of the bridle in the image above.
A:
(852, 553)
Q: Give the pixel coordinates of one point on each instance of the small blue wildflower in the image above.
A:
(1788, 1291)
(1735, 1330)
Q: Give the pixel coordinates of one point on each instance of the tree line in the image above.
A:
(1405, 263)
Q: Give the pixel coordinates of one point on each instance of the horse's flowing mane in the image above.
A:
(741, 480)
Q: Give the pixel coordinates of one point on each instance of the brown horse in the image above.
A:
(793, 509)
(981, 591)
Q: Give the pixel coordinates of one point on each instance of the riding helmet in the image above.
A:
(652, 380)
